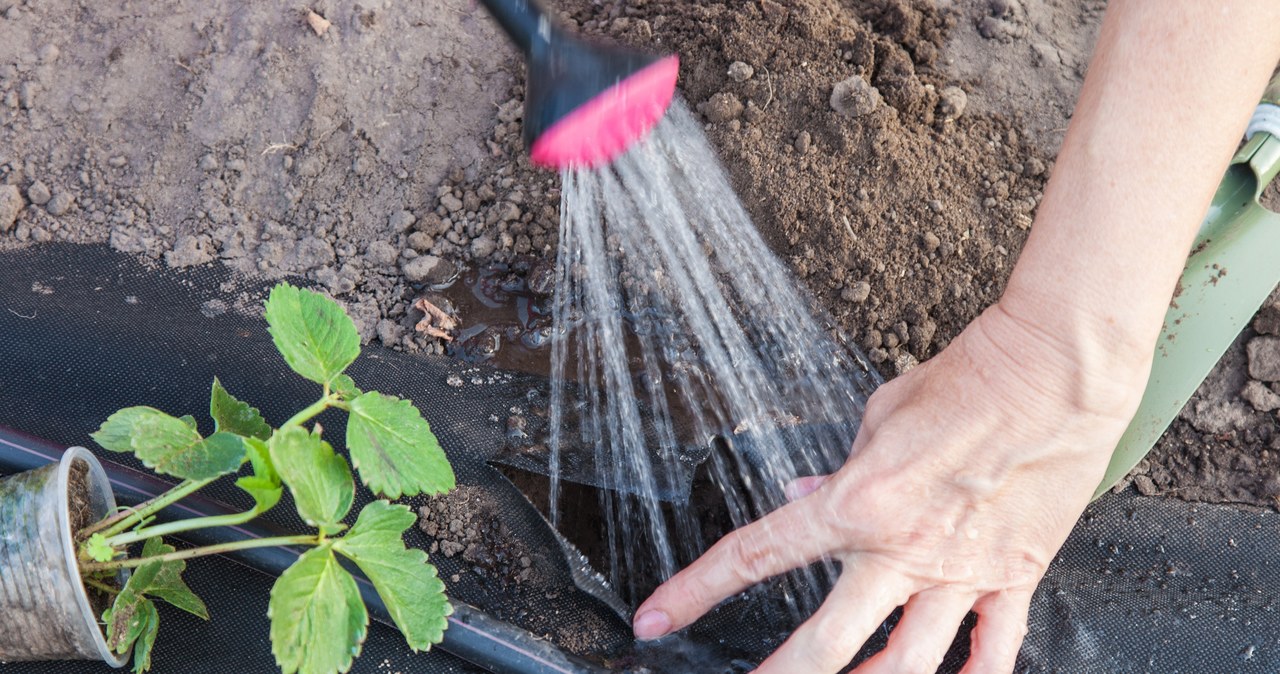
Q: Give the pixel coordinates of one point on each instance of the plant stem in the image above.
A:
(182, 525)
(304, 539)
(146, 509)
(99, 585)
(311, 410)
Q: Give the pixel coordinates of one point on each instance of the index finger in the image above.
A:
(791, 536)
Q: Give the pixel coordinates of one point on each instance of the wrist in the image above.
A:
(1069, 353)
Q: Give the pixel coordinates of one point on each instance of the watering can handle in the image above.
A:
(1272, 94)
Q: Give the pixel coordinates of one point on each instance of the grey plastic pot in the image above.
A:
(44, 609)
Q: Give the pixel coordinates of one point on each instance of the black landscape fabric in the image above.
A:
(1142, 585)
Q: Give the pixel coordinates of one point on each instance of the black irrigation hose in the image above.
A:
(473, 635)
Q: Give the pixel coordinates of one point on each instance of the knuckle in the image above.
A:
(751, 562)
(697, 591)
(877, 408)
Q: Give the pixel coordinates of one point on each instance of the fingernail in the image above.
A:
(651, 625)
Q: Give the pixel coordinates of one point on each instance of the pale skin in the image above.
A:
(971, 469)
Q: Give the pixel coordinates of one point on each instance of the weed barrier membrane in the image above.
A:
(1142, 585)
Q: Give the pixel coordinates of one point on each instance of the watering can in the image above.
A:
(584, 103)
(1233, 267)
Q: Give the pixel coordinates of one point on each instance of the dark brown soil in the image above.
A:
(80, 510)
(903, 223)
(468, 532)
(463, 524)
(78, 504)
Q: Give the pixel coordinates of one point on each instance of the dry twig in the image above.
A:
(435, 322)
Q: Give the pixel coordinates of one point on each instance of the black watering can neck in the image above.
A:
(523, 20)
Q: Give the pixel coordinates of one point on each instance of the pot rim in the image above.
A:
(98, 481)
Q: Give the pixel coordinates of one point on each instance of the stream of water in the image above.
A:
(675, 324)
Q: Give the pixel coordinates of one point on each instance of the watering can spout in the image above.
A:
(585, 103)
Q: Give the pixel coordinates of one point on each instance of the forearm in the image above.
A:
(1165, 102)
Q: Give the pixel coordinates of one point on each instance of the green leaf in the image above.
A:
(318, 621)
(404, 578)
(152, 547)
(266, 494)
(318, 478)
(127, 620)
(189, 420)
(167, 584)
(264, 484)
(146, 638)
(345, 386)
(315, 336)
(259, 455)
(169, 446)
(98, 549)
(116, 433)
(234, 416)
(394, 449)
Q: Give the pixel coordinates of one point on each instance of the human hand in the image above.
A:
(967, 475)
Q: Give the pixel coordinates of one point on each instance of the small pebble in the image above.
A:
(482, 247)
(803, 142)
(60, 203)
(318, 23)
(855, 97)
(38, 193)
(1260, 397)
(952, 102)
(451, 203)
(722, 107)
(857, 292)
(1267, 322)
(10, 205)
(740, 72)
(381, 253)
(401, 221)
(421, 241)
(427, 269)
